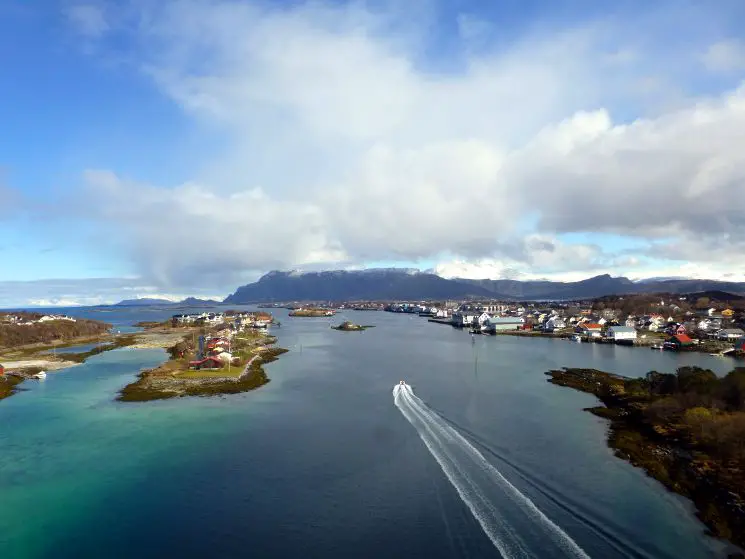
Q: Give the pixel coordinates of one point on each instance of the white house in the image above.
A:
(482, 319)
(554, 323)
(461, 318)
(730, 334)
(618, 333)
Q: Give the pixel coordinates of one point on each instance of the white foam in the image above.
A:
(475, 478)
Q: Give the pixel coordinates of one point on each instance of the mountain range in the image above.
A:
(148, 301)
(405, 284)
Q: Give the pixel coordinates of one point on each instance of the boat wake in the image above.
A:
(481, 487)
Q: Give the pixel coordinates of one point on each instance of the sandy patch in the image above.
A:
(42, 363)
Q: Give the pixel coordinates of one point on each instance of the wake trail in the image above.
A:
(513, 523)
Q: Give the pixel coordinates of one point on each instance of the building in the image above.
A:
(678, 341)
(739, 346)
(462, 318)
(728, 334)
(621, 333)
(497, 323)
(2, 370)
(590, 329)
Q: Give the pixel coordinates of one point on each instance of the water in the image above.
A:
(321, 463)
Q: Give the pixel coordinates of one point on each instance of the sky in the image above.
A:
(186, 147)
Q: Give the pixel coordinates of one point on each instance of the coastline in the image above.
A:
(23, 362)
(665, 452)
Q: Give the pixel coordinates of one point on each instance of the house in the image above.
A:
(678, 341)
(728, 313)
(602, 321)
(631, 322)
(621, 333)
(206, 363)
(2, 370)
(730, 334)
(462, 318)
(554, 323)
(482, 319)
(591, 329)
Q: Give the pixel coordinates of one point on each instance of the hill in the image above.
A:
(403, 284)
(147, 301)
(143, 302)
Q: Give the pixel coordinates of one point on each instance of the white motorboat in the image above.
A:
(40, 375)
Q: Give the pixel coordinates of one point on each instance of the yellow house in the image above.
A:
(728, 313)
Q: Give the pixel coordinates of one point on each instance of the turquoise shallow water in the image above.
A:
(320, 463)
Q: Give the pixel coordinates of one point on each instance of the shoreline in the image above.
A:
(23, 362)
(667, 452)
(711, 347)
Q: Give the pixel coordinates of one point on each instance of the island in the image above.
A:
(29, 342)
(209, 359)
(348, 326)
(312, 313)
(686, 430)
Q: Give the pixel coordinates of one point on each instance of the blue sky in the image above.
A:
(187, 147)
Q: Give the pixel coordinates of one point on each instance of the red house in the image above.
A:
(678, 341)
(206, 363)
(2, 370)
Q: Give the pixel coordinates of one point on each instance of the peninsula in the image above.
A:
(686, 430)
(219, 356)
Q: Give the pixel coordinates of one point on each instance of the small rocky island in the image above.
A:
(311, 313)
(686, 430)
(348, 326)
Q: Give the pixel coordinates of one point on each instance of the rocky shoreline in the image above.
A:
(667, 450)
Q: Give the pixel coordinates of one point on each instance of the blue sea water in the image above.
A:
(321, 463)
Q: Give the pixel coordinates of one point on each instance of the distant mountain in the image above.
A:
(143, 302)
(598, 286)
(195, 302)
(355, 285)
(406, 284)
(149, 301)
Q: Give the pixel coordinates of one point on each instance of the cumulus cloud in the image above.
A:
(725, 56)
(348, 144)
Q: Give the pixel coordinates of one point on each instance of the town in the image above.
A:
(712, 322)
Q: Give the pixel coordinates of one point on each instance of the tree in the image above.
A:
(703, 303)
(696, 379)
(733, 389)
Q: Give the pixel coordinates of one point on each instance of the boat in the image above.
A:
(40, 375)
(402, 383)
(261, 324)
(576, 338)
(656, 347)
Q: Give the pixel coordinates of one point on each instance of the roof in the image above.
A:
(683, 339)
(732, 331)
(591, 326)
(506, 320)
(621, 329)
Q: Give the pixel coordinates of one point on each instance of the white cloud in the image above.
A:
(88, 18)
(346, 147)
(725, 56)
